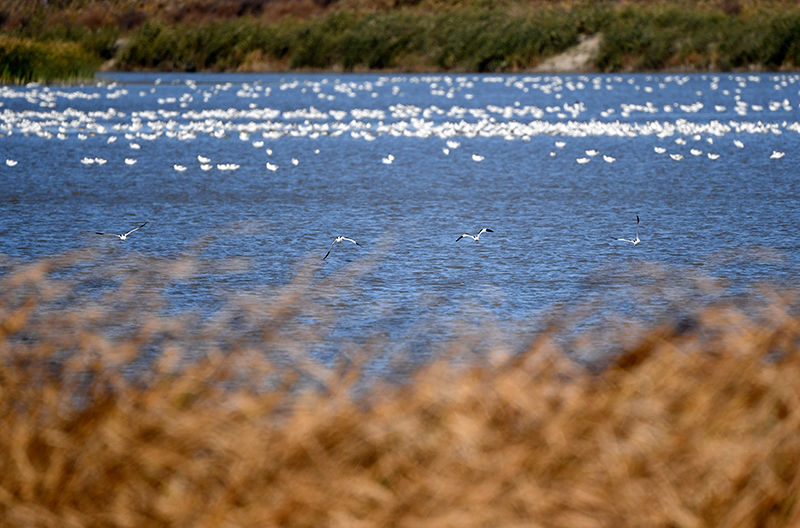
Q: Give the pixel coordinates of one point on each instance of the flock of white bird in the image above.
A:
(180, 118)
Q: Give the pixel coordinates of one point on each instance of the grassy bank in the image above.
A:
(467, 36)
(111, 417)
(24, 60)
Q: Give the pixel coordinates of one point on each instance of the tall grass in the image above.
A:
(672, 37)
(23, 60)
(114, 414)
(464, 40)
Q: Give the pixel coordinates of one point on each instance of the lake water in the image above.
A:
(554, 208)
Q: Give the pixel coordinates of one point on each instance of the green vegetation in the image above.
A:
(114, 414)
(370, 35)
(23, 61)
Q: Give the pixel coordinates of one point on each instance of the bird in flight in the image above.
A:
(636, 241)
(125, 236)
(475, 237)
(340, 239)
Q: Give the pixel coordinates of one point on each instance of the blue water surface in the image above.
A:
(567, 162)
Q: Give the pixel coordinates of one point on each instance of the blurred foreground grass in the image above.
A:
(115, 414)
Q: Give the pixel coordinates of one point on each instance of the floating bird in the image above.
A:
(111, 139)
(676, 157)
(453, 144)
(712, 156)
(477, 157)
(11, 163)
(340, 239)
(125, 236)
(203, 159)
(561, 144)
(295, 162)
(446, 151)
(696, 152)
(272, 166)
(592, 152)
(475, 237)
(609, 159)
(130, 161)
(776, 155)
(135, 146)
(206, 167)
(388, 159)
(582, 160)
(179, 168)
(738, 143)
(636, 241)
(659, 150)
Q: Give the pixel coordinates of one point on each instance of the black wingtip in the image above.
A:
(637, 219)
(489, 230)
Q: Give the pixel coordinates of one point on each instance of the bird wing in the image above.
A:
(329, 251)
(462, 236)
(109, 234)
(135, 228)
(351, 240)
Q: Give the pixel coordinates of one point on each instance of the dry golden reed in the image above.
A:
(113, 417)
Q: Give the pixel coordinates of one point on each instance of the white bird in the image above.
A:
(130, 161)
(179, 168)
(776, 155)
(11, 163)
(475, 237)
(636, 241)
(696, 152)
(135, 146)
(272, 166)
(388, 159)
(676, 157)
(659, 150)
(609, 159)
(111, 139)
(203, 159)
(477, 157)
(295, 162)
(206, 167)
(712, 156)
(446, 151)
(561, 144)
(453, 144)
(340, 239)
(582, 160)
(592, 152)
(125, 236)
(87, 160)
(100, 161)
(738, 143)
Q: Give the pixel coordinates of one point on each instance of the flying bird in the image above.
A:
(125, 236)
(475, 237)
(636, 241)
(340, 239)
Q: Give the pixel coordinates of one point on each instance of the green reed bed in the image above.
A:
(471, 41)
(116, 413)
(462, 37)
(652, 39)
(23, 61)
